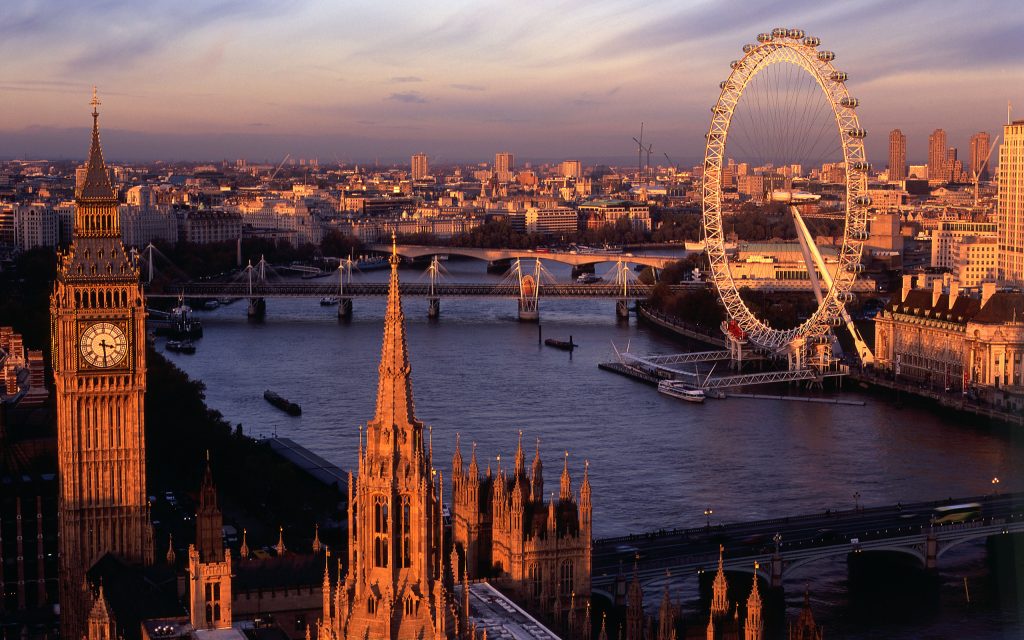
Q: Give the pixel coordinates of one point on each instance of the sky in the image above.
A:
(358, 81)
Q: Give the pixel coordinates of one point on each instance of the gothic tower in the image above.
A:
(753, 628)
(209, 563)
(394, 587)
(98, 331)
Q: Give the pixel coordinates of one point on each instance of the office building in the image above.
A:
(1010, 214)
(897, 155)
(937, 156)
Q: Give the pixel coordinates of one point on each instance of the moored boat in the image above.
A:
(589, 278)
(671, 388)
(329, 301)
(561, 344)
(290, 408)
(181, 346)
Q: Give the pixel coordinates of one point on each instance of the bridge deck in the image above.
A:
(380, 289)
(802, 538)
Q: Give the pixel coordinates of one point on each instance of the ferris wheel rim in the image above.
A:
(787, 46)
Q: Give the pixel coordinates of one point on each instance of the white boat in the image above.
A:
(671, 388)
(328, 301)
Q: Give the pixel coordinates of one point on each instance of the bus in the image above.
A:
(956, 513)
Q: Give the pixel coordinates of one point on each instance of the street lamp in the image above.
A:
(856, 500)
(707, 514)
(995, 486)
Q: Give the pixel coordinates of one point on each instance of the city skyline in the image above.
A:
(205, 85)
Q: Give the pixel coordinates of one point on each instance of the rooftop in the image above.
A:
(503, 619)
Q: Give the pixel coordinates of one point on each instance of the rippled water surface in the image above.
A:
(655, 462)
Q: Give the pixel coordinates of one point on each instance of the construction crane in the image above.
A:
(674, 166)
(977, 172)
(641, 149)
(274, 175)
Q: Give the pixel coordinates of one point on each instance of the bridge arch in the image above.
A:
(789, 567)
(955, 542)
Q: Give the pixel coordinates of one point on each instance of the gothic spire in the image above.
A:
(566, 488)
(279, 547)
(96, 186)
(753, 627)
(537, 477)
(520, 458)
(719, 589)
(394, 389)
(209, 520)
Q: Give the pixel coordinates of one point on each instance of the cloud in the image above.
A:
(467, 87)
(408, 97)
(406, 79)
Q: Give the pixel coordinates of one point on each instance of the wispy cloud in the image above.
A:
(467, 87)
(406, 79)
(409, 97)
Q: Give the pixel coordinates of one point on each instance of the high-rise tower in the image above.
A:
(503, 164)
(394, 587)
(980, 144)
(937, 156)
(420, 166)
(897, 155)
(98, 330)
(1010, 215)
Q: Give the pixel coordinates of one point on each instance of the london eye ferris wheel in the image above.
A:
(784, 109)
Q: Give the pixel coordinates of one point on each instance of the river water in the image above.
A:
(655, 462)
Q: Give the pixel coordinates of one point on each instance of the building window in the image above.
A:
(404, 525)
(565, 578)
(536, 582)
(380, 531)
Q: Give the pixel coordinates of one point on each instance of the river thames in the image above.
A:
(655, 462)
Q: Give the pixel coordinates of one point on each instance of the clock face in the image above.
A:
(103, 345)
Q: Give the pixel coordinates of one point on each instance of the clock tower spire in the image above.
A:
(98, 325)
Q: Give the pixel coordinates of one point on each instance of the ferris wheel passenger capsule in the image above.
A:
(850, 103)
(859, 236)
(857, 133)
(861, 166)
(764, 37)
(838, 76)
(845, 296)
(862, 201)
(735, 64)
(855, 267)
(811, 41)
(826, 56)
(747, 48)
(796, 34)
(779, 32)
(835, 322)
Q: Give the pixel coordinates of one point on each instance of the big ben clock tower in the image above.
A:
(98, 333)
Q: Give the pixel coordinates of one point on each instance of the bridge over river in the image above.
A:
(783, 544)
(574, 258)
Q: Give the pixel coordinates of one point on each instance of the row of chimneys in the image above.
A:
(944, 285)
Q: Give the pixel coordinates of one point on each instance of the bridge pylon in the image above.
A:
(433, 300)
(529, 292)
(344, 302)
(622, 278)
(257, 304)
